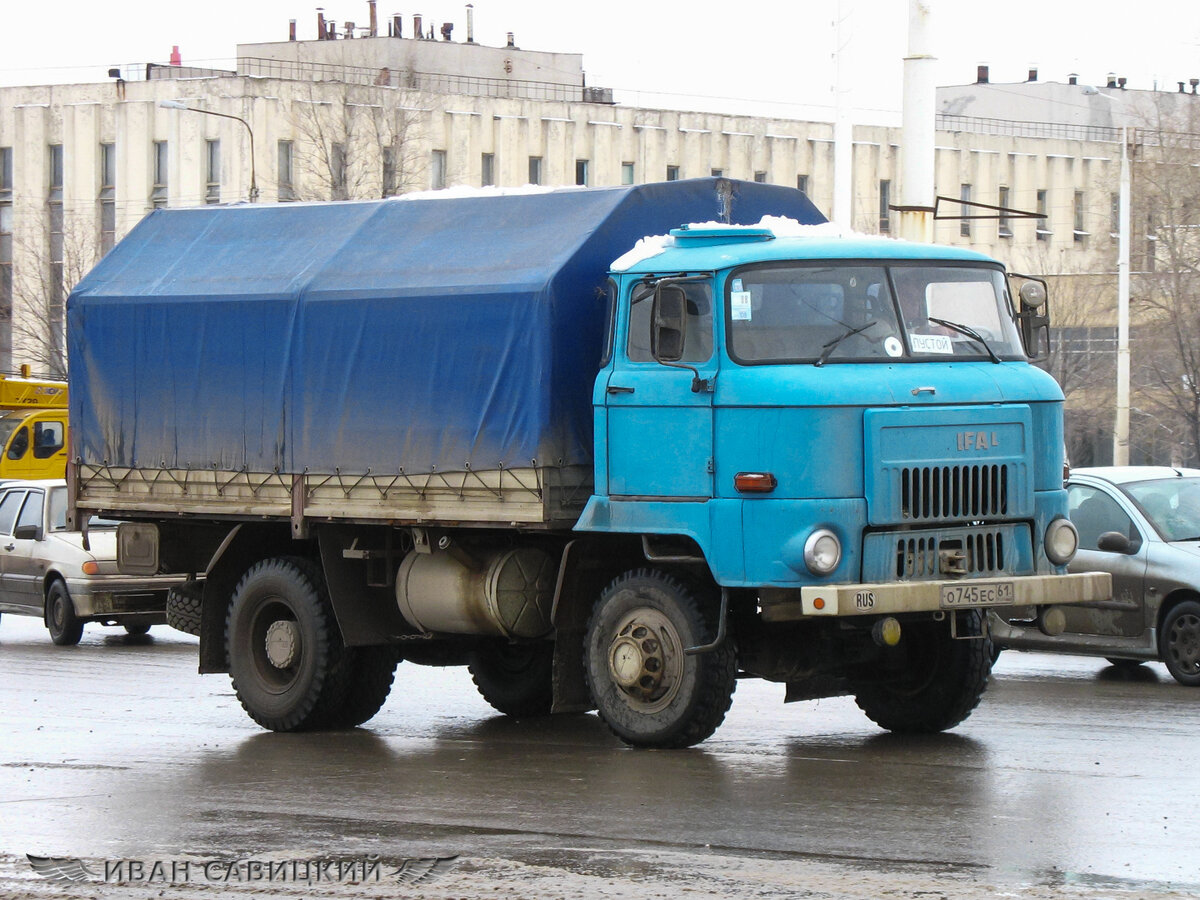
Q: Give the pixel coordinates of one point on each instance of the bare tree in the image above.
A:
(1166, 294)
(357, 142)
(48, 267)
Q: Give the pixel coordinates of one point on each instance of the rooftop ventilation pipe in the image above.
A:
(1032, 73)
(470, 23)
(373, 31)
(1073, 78)
(417, 27)
(395, 27)
(1112, 80)
(981, 75)
(291, 29)
(321, 35)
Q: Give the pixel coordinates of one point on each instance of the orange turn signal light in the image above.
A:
(819, 603)
(91, 567)
(755, 482)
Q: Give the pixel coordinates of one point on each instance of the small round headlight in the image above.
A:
(1062, 540)
(822, 552)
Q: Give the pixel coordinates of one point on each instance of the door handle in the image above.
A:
(10, 546)
(618, 389)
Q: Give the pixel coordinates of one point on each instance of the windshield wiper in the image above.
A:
(969, 332)
(827, 349)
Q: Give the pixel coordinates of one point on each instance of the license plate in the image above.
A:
(986, 593)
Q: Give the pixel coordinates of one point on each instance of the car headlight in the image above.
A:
(1062, 540)
(822, 552)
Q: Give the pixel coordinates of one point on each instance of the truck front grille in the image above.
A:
(954, 492)
(977, 553)
(933, 554)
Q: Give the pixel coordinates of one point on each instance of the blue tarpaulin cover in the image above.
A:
(421, 335)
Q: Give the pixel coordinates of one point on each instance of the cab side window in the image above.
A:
(47, 439)
(1094, 512)
(10, 504)
(20, 443)
(31, 512)
(698, 326)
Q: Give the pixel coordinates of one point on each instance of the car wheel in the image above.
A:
(65, 627)
(1179, 643)
(1124, 664)
(647, 690)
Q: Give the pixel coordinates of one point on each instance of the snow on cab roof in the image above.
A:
(827, 234)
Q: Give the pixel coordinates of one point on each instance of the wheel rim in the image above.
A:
(58, 612)
(1183, 644)
(276, 645)
(645, 660)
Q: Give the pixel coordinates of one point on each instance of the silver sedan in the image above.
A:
(1142, 525)
(45, 570)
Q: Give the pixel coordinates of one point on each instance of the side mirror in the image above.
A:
(668, 315)
(1033, 317)
(28, 533)
(1115, 542)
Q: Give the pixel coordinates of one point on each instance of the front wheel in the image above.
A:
(286, 659)
(649, 692)
(930, 681)
(65, 628)
(1180, 643)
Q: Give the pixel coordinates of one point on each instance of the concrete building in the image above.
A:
(359, 114)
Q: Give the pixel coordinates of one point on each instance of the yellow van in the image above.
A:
(33, 427)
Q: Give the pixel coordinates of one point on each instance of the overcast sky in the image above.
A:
(684, 54)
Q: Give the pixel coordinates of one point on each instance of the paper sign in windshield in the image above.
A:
(931, 343)
(739, 304)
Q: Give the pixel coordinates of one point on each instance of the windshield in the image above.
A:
(1171, 504)
(846, 312)
(8, 424)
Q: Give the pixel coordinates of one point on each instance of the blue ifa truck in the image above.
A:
(502, 431)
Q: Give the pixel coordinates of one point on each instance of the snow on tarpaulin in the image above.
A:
(432, 334)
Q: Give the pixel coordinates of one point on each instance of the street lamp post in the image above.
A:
(175, 104)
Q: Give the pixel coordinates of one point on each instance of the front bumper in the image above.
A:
(926, 596)
(117, 596)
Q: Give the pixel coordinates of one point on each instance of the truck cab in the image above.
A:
(33, 427)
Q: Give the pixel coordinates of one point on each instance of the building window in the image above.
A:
(535, 170)
(1043, 223)
(158, 193)
(284, 182)
(626, 173)
(672, 173)
(487, 169)
(802, 183)
(1151, 242)
(885, 206)
(337, 172)
(6, 257)
(964, 196)
(437, 170)
(57, 293)
(1005, 225)
(108, 197)
(1080, 232)
(581, 171)
(716, 173)
(212, 172)
(760, 177)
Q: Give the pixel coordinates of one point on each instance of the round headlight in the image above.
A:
(1062, 540)
(822, 552)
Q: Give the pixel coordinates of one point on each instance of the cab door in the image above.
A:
(659, 394)
(13, 598)
(1095, 511)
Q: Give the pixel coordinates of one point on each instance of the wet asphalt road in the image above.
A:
(1068, 773)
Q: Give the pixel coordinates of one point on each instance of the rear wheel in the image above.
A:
(516, 679)
(184, 603)
(1179, 643)
(930, 681)
(286, 659)
(649, 692)
(66, 629)
(369, 677)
